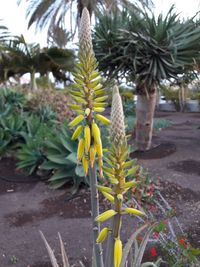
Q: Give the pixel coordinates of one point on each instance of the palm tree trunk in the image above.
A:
(144, 120)
(33, 81)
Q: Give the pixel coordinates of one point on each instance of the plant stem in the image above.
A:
(98, 252)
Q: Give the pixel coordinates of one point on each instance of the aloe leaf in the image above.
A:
(142, 247)
(60, 174)
(149, 264)
(129, 244)
(63, 252)
(50, 251)
(72, 157)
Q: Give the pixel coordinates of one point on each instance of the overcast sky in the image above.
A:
(13, 16)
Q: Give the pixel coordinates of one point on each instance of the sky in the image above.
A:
(13, 16)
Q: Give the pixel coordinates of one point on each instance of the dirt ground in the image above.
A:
(27, 206)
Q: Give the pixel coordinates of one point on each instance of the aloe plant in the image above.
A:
(90, 100)
(61, 159)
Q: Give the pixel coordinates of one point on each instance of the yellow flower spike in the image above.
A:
(80, 150)
(102, 235)
(102, 119)
(100, 99)
(87, 111)
(92, 156)
(77, 132)
(108, 196)
(87, 137)
(85, 165)
(96, 133)
(76, 121)
(134, 212)
(105, 215)
(117, 252)
(98, 109)
(104, 189)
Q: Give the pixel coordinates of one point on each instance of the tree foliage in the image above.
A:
(144, 48)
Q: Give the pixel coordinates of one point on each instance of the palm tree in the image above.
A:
(53, 13)
(21, 57)
(146, 50)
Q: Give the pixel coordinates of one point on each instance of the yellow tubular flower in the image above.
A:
(101, 99)
(102, 235)
(99, 105)
(102, 119)
(87, 137)
(80, 150)
(85, 165)
(75, 107)
(130, 184)
(108, 196)
(76, 121)
(77, 132)
(99, 149)
(87, 111)
(98, 109)
(117, 252)
(104, 188)
(92, 156)
(96, 133)
(134, 212)
(105, 215)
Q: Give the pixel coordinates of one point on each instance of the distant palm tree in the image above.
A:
(146, 50)
(53, 13)
(20, 57)
(4, 33)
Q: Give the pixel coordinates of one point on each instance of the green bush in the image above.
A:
(13, 97)
(37, 138)
(13, 126)
(56, 100)
(158, 123)
(171, 94)
(31, 153)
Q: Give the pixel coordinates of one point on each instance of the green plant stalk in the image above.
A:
(94, 197)
(98, 251)
(117, 220)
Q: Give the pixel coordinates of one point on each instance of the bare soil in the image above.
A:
(28, 205)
